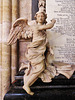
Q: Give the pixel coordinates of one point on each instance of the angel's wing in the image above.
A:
(20, 29)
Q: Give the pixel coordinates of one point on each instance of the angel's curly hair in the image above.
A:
(45, 15)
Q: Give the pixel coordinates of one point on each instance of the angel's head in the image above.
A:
(41, 17)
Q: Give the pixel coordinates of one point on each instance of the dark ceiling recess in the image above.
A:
(34, 8)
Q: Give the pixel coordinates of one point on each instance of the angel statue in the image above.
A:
(38, 50)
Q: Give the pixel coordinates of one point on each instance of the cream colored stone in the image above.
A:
(6, 10)
(14, 46)
(6, 30)
(38, 51)
(35, 50)
(0, 20)
(14, 10)
(0, 48)
(5, 48)
(25, 9)
(5, 68)
(0, 11)
(13, 61)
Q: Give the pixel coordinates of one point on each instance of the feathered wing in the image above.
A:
(20, 29)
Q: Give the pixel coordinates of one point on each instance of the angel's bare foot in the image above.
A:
(27, 89)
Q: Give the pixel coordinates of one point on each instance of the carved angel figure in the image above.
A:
(36, 54)
(37, 51)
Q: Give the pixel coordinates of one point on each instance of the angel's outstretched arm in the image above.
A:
(48, 26)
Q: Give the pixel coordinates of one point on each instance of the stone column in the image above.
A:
(0, 46)
(5, 47)
(14, 46)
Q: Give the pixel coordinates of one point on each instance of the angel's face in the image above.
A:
(40, 18)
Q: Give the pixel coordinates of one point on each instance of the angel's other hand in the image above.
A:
(53, 20)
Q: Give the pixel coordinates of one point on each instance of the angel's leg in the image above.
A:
(33, 76)
(31, 79)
